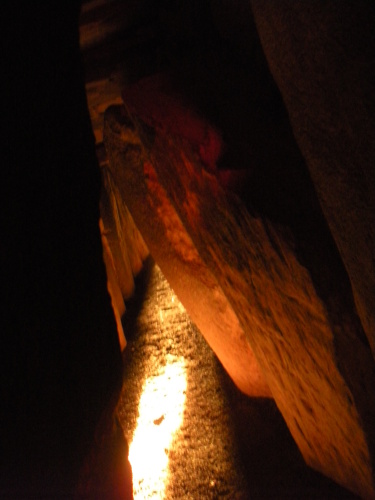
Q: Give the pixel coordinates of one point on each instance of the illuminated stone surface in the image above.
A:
(125, 246)
(173, 408)
(198, 288)
(311, 352)
(223, 444)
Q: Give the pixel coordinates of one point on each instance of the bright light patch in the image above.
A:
(160, 415)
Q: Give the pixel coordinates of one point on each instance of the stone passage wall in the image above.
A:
(308, 344)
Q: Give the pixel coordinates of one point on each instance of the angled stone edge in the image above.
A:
(321, 376)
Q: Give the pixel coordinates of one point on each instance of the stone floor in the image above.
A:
(192, 434)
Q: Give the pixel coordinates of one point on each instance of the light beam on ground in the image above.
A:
(160, 415)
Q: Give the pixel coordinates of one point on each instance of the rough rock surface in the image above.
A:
(311, 351)
(124, 249)
(195, 284)
(322, 59)
(126, 244)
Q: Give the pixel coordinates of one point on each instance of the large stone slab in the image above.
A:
(322, 61)
(311, 352)
(193, 282)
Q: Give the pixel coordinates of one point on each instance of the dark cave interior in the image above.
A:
(290, 94)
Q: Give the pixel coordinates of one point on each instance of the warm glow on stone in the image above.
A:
(160, 415)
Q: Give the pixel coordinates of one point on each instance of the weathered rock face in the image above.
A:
(302, 330)
(322, 59)
(126, 244)
(192, 280)
(123, 249)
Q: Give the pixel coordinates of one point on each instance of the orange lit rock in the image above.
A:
(241, 279)
(152, 99)
(196, 286)
(125, 243)
(124, 249)
(117, 299)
